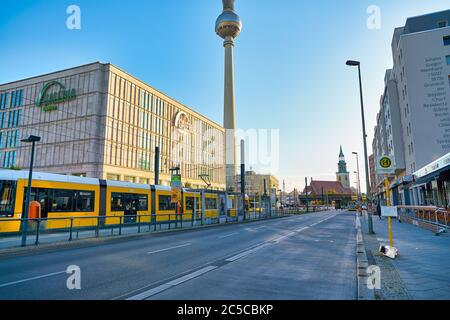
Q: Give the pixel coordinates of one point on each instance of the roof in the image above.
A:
(327, 187)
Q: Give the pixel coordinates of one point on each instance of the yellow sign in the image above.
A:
(385, 162)
(385, 165)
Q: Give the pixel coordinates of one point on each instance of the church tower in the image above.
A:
(343, 176)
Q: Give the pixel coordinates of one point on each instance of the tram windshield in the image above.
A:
(7, 192)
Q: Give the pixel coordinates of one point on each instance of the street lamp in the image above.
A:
(359, 180)
(31, 139)
(353, 63)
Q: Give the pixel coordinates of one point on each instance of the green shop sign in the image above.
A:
(48, 101)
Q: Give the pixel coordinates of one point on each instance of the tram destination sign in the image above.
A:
(54, 93)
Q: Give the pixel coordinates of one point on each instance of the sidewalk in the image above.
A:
(421, 271)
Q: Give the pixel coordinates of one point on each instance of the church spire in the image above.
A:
(343, 176)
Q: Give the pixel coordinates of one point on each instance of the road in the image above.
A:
(300, 257)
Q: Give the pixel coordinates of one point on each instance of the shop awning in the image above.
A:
(432, 176)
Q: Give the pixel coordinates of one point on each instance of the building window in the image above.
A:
(442, 24)
(447, 58)
(113, 177)
(3, 101)
(447, 41)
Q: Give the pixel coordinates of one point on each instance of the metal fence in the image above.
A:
(47, 230)
(431, 215)
(71, 228)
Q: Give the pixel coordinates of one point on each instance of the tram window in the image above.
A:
(210, 203)
(116, 202)
(143, 202)
(165, 203)
(85, 201)
(189, 203)
(62, 201)
(7, 189)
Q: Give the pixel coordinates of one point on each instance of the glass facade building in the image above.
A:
(98, 121)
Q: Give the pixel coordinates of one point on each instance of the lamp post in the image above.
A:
(24, 225)
(353, 63)
(359, 181)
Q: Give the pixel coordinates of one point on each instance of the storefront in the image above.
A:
(431, 185)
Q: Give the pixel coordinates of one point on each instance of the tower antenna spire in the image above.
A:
(228, 4)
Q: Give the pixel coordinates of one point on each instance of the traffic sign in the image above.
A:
(389, 212)
(385, 165)
(175, 181)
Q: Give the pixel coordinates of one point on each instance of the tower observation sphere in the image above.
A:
(228, 24)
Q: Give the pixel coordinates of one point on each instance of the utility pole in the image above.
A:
(306, 188)
(156, 166)
(369, 214)
(24, 221)
(243, 176)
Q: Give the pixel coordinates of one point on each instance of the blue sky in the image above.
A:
(289, 62)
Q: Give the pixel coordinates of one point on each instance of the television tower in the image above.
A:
(228, 27)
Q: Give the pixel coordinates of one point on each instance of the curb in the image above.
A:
(362, 263)
(83, 243)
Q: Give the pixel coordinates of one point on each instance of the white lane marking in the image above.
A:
(31, 279)
(319, 222)
(300, 230)
(171, 248)
(259, 228)
(191, 275)
(246, 253)
(149, 293)
(228, 235)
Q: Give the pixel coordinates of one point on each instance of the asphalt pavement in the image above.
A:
(300, 257)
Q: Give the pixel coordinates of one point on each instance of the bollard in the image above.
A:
(37, 231)
(71, 229)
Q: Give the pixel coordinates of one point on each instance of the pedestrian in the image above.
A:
(379, 210)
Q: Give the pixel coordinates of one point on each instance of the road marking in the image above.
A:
(149, 293)
(156, 290)
(301, 229)
(228, 235)
(171, 248)
(259, 228)
(31, 279)
(246, 253)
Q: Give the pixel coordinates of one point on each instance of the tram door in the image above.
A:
(130, 204)
(222, 205)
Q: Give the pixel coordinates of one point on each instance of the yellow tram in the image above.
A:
(85, 202)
